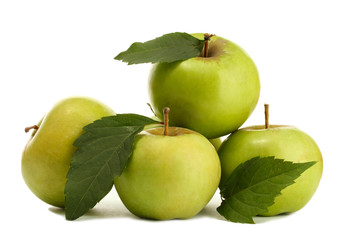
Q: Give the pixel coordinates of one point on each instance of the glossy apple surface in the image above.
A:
(46, 157)
(284, 142)
(171, 176)
(212, 95)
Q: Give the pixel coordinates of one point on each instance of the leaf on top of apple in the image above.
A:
(168, 48)
(254, 184)
(102, 154)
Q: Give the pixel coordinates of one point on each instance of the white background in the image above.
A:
(50, 50)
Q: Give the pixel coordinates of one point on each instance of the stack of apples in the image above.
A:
(174, 171)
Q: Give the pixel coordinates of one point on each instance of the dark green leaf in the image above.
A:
(170, 47)
(101, 155)
(254, 184)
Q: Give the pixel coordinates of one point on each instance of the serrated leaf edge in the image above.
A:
(235, 195)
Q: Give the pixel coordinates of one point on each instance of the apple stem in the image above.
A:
(266, 116)
(166, 120)
(27, 129)
(207, 38)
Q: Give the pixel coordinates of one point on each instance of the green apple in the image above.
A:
(46, 157)
(284, 142)
(212, 95)
(216, 142)
(169, 176)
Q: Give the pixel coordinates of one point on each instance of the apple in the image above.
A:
(47, 155)
(213, 94)
(216, 142)
(172, 173)
(284, 142)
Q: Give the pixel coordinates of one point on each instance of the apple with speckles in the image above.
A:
(284, 142)
(213, 94)
(172, 173)
(47, 155)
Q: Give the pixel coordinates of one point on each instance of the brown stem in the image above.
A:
(266, 116)
(27, 129)
(207, 37)
(166, 120)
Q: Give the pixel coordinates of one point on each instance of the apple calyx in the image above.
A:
(35, 127)
(166, 120)
(207, 38)
(266, 116)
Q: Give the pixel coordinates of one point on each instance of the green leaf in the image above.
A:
(170, 47)
(253, 186)
(101, 155)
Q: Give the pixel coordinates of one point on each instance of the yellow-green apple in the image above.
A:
(213, 94)
(47, 155)
(172, 173)
(284, 142)
(216, 142)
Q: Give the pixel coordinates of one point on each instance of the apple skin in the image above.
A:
(216, 142)
(47, 155)
(169, 177)
(212, 95)
(284, 142)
